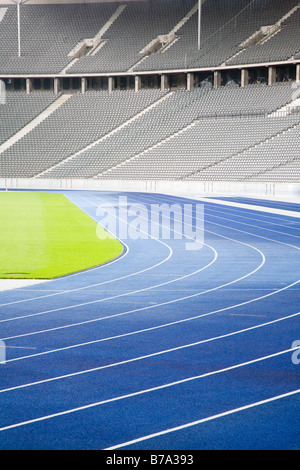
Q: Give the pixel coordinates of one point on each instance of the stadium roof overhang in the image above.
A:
(293, 61)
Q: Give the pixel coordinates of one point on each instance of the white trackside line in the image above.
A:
(204, 420)
(142, 392)
(124, 313)
(148, 356)
(126, 253)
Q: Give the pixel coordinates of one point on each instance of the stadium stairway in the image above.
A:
(290, 108)
(2, 13)
(272, 30)
(97, 42)
(35, 122)
(170, 34)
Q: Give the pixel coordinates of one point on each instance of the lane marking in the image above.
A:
(237, 213)
(271, 210)
(143, 392)
(150, 307)
(204, 420)
(245, 315)
(136, 359)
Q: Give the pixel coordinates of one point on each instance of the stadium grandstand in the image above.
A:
(150, 90)
(178, 329)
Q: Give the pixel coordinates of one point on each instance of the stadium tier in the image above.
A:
(123, 90)
(146, 35)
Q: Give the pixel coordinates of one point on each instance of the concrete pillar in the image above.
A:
(244, 77)
(272, 75)
(110, 84)
(164, 82)
(28, 85)
(217, 79)
(57, 86)
(189, 81)
(298, 72)
(83, 85)
(137, 83)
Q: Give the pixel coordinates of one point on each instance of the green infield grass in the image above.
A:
(45, 235)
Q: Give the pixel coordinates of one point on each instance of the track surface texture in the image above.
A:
(166, 347)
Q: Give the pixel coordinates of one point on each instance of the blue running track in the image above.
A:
(165, 348)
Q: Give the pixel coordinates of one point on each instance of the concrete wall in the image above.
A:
(283, 191)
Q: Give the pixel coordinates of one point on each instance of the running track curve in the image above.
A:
(164, 348)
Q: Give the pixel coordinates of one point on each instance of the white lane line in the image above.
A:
(237, 213)
(142, 392)
(245, 315)
(153, 306)
(204, 420)
(126, 253)
(235, 208)
(124, 294)
(265, 211)
(254, 226)
(230, 220)
(243, 231)
(90, 285)
(148, 356)
(271, 210)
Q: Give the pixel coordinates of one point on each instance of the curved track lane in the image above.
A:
(163, 346)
